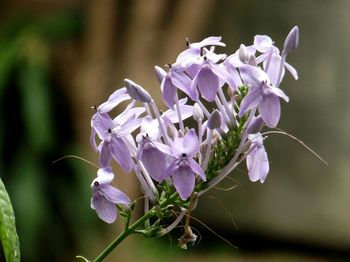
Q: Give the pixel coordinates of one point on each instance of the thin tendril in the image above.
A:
(226, 210)
(225, 189)
(280, 131)
(77, 157)
(212, 231)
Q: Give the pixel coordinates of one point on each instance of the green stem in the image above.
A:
(123, 235)
(129, 230)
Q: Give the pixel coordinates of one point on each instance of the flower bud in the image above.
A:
(197, 113)
(256, 125)
(215, 120)
(171, 132)
(243, 53)
(203, 149)
(160, 73)
(136, 92)
(252, 61)
(230, 92)
(292, 41)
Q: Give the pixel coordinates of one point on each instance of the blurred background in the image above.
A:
(59, 58)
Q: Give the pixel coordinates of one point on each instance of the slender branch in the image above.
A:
(123, 235)
(130, 230)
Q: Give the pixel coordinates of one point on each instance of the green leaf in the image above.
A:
(8, 233)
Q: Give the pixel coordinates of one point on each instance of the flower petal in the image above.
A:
(251, 100)
(169, 91)
(104, 209)
(150, 127)
(183, 82)
(128, 128)
(177, 146)
(291, 70)
(207, 83)
(155, 163)
(262, 43)
(127, 115)
(121, 153)
(252, 75)
(190, 143)
(257, 164)
(93, 139)
(114, 195)
(185, 110)
(274, 68)
(270, 110)
(105, 155)
(184, 181)
(279, 92)
(116, 98)
(101, 122)
(211, 40)
(196, 168)
(170, 170)
(104, 176)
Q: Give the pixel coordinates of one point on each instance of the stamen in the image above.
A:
(181, 123)
(187, 42)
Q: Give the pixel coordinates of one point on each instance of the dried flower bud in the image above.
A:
(292, 41)
(197, 113)
(215, 120)
(136, 92)
(203, 148)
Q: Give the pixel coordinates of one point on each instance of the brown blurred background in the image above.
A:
(59, 58)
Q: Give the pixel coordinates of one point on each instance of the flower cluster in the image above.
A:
(217, 106)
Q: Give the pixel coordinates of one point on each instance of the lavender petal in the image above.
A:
(270, 110)
(190, 143)
(251, 100)
(169, 92)
(196, 168)
(114, 195)
(207, 83)
(104, 209)
(121, 153)
(184, 181)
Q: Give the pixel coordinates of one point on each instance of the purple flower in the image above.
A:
(257, 161)
(183, 168)
(262, 95)
(116, 98)
(150, 151)
(185, 110)
(105, 196)
(209, 75)
(176, 79)
(113, 134)
(191, 55)
(271, 58)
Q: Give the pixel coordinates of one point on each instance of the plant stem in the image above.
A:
(123, 235)
(129, 230)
